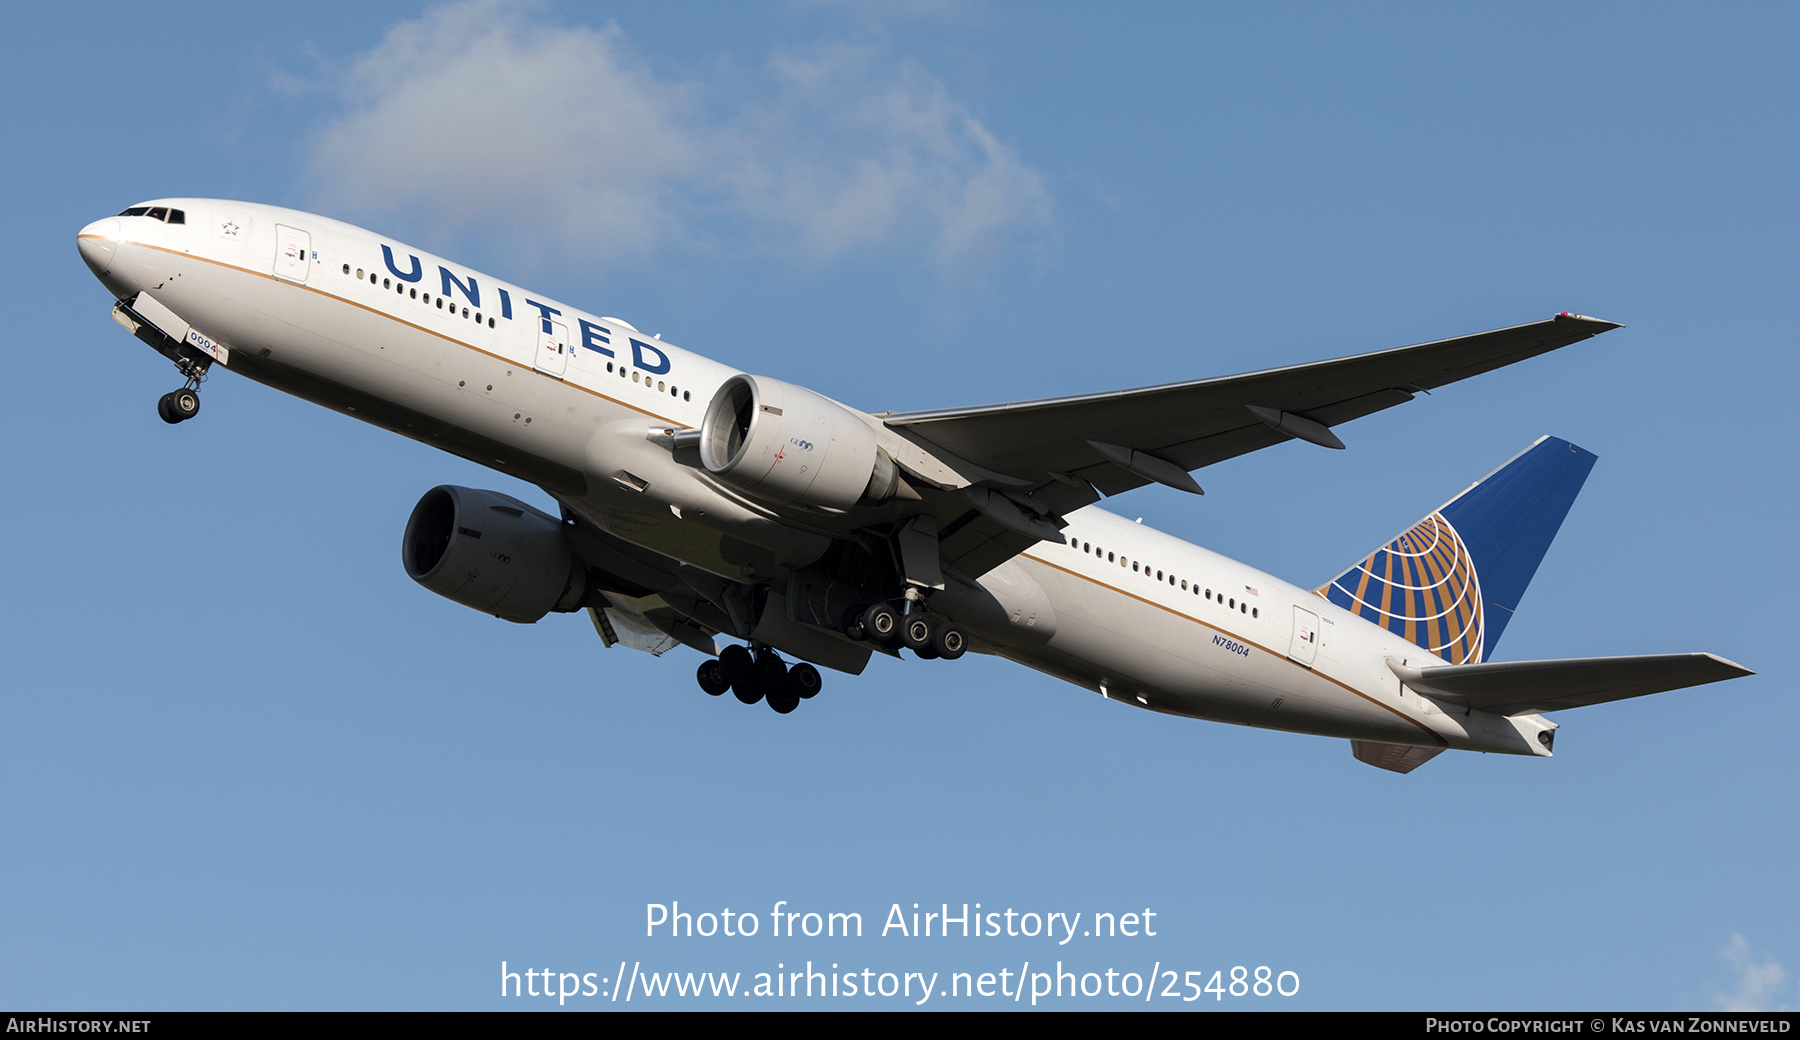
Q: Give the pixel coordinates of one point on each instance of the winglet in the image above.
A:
(1572, 316)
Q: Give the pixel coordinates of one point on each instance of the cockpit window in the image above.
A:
(163, 213)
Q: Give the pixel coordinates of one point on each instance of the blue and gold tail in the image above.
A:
(1451, 582)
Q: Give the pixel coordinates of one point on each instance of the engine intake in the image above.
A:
(491, 552)
(784, 442)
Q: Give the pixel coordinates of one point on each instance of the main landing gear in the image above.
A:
(927, 635)
(178, 406)
(760, 676)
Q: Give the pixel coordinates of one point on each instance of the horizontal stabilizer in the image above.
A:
(1395, 758)
(1525, 687)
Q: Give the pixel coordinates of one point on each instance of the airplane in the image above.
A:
(747, 517)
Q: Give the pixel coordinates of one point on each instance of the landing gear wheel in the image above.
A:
(783, 699)
(749, 691)
(712, 678)
(178, 405)
(917, 631)
(771, 670)
(853, 624)
(881, 624)
(804, 680)
(737, 663)
(951, 641)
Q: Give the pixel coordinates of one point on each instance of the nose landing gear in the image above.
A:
(178, 406)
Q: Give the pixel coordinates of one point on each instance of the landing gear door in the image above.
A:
(1306, 637)
(552, 348)
(293, 254)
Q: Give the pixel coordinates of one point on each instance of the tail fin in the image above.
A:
(1451, 582)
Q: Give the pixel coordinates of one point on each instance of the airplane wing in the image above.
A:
(1526, 687)
(1128, 438)
(1050, 456)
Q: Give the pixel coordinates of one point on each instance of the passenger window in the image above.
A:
(359, 274)
(685, 396)
(346, 268)
(414, 294)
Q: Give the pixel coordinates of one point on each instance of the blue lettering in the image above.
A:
(505, 304)
(418, 270)
(594, 337)
(638, 347)
(471, 291)
(545, 309)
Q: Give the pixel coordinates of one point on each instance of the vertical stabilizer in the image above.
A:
(1451, 582)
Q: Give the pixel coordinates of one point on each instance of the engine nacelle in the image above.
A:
(784, 442)
(491, 552)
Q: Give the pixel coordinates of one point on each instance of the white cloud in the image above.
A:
(478, 115)
(1761, 982)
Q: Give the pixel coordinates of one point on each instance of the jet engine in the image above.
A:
(784, 442)
(492, 552)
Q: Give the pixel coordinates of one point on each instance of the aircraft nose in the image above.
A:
(97, 242)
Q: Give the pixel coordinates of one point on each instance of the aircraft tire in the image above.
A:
(881, 624)
(771, 670)
(747, 691)
(737, 663)
(950, 641)
(184, 404)
(917, 631)
(853, 624)
(804, 680)
(783, 699)
(164, 412)
(712, 678)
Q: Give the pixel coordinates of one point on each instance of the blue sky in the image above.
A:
(249, 764)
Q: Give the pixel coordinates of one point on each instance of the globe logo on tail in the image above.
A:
(1421, 586)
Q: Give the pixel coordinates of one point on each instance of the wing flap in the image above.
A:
(1527, 687)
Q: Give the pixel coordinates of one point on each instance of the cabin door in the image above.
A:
(1305, 645)
(293, 254)
(552, 348)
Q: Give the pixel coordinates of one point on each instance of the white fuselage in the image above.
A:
(459, 360)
